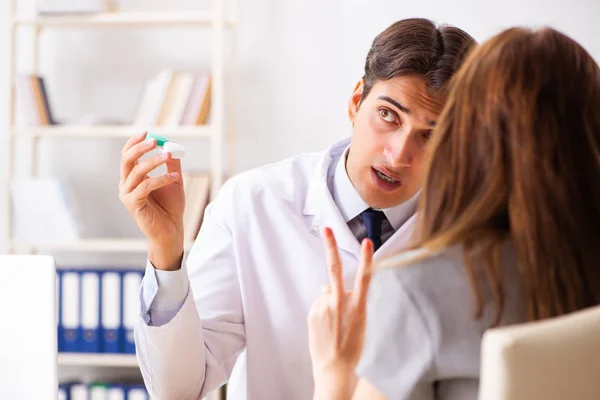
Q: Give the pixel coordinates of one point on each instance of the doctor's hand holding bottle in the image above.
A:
(155, 203)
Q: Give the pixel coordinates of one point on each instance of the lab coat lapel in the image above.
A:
(320, 204)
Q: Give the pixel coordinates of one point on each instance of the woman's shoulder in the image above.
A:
(438, 280)
(422, 262)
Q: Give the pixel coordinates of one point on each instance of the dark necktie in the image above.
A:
(373, 220)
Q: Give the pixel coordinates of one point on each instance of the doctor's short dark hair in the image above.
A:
(418, 47)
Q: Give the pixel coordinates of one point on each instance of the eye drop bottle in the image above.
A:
(166, 146)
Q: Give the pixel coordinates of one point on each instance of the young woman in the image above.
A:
(507, 230)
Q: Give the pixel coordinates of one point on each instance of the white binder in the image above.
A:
(111, 312)
(115, 393)
(90, 310)
(132, 281)
(70, 310)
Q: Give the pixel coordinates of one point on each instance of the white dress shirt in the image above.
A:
(351, 205)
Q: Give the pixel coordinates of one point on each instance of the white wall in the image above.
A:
(299, 61)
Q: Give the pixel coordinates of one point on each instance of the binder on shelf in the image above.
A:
(59, 328)
(112, 328)
(90, 312)
(64, 392)
(70, 310)
(116, 392)
(100, 390)
(97, 391)
(137, 392)
(79, 391)
(97, 309)
(132, 281)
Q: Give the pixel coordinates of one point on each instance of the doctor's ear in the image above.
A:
(355, 101)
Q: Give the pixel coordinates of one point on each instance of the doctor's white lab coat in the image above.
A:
(257, 266)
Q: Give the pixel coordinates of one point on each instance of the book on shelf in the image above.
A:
(44, 210)
(174, 98)
(32, 100)
(171, 98)
(197, 196)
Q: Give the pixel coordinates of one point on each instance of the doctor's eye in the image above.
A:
(387, 115)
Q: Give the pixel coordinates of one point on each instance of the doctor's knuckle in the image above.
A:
(125, 147)
(145, 185)
(127, 202)
(135, 170)
(128, 156)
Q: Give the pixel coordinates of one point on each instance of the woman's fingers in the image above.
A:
(363, 275)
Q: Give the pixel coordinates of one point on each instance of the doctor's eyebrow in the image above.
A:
(401, 107)
(395, 103)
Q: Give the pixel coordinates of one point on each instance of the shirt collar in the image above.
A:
(351, 204)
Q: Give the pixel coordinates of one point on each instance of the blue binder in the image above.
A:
(59, 333)
(90, 311)
(70, 310)
(64, 391)
(111, 305)
(132, 281)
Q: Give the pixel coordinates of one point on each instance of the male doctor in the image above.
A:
(242, 296)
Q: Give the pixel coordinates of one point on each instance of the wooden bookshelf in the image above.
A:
(98, 360)
(215, 134)
(200, 131)
(92, 245)
(129, 19)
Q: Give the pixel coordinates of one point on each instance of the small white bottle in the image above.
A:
(166, 146)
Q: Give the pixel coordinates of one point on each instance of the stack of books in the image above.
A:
(169, 99)
(174, 98)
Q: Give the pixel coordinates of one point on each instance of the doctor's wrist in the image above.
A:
(165, 256)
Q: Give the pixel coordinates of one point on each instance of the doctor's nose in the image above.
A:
(400, 153)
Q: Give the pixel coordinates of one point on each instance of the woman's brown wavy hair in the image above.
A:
(516, 155)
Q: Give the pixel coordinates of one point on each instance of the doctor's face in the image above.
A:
(391, 139)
